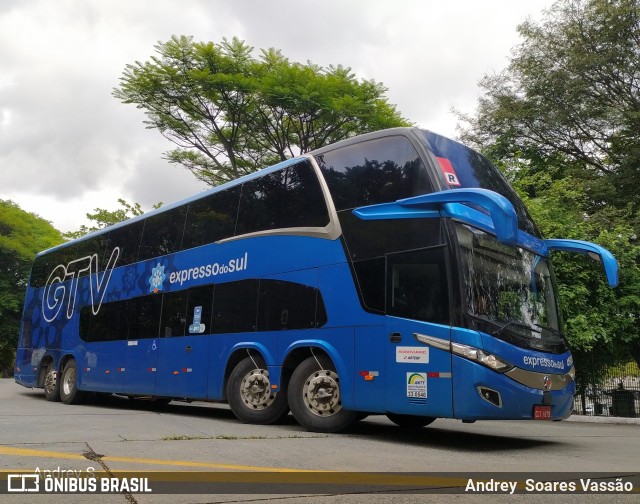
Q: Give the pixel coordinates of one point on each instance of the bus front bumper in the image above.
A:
(480, 393)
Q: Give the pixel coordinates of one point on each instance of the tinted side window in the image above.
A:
(376, 171)
(283, 305)
(417, 285)
(61, 256)
(371, 279)
(127, 238)
(101, 327)
(174, 314)
(162, 233)
(368, 242)
(211, 218)
(375, 238)
(44, 265)
(234, 307)
(142, 318)
(199, 310)
(40, 271)
(82, 249)
(291, 197)
(286, 305)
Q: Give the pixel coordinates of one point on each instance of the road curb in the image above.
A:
(603, 419)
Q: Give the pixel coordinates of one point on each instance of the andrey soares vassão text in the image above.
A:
(582, 485)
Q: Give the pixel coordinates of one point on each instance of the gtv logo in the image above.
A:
(56, 292)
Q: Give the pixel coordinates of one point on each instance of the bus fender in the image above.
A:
(274, 370)
(346, 391)
(252, 345)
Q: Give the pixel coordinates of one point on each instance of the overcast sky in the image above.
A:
(67, 146)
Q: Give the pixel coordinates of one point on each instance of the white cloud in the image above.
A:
(67, 146)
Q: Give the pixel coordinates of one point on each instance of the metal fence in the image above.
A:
(607, 390)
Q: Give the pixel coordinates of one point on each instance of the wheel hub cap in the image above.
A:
(255, 389)
(322, 393)
(69, 381)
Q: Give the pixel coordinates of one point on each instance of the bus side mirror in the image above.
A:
(595, 252)
(489, 210)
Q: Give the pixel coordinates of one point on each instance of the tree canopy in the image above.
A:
(230, 113)
(563, 121)
(572, 92)
(22, 236)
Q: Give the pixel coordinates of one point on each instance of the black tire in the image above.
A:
(250, 395)
(69, 393)
(314, 397)
(410, 421)
(51, 384)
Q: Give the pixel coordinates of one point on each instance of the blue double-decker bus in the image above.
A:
(392, 273)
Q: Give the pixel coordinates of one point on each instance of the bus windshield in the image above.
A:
(510, 290)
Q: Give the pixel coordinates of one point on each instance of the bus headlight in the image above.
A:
(480, 356)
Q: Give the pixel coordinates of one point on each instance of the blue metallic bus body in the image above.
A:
(375, 376)
(356, 341)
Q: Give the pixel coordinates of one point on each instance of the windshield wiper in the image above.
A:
(553, 331)
(514, 323)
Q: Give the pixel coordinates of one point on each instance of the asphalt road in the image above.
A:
(116, 434)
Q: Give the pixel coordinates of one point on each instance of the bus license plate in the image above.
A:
(541, 412)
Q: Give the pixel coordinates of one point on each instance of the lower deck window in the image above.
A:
(417, 285)
(243, 306)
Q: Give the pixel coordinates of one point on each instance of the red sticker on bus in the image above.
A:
(449, 173)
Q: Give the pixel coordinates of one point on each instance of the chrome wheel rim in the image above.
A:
(50, 381)
(255, 390)
(322, 393)
(69, 381)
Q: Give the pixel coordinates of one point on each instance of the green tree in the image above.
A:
(230, 113)
(572, 88)
(563, 121)
(598, 319)
(22, 236)
(103, 218)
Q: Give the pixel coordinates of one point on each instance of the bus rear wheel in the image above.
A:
(314, 397)
(69, 393)
(410, 421)
(51, 384)
(250, 395)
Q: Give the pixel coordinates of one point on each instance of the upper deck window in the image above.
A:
(376, 171)
(287, 198)
(471, 169)
(211, 218)
(162, 233)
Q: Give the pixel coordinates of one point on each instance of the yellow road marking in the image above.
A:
(27, 452)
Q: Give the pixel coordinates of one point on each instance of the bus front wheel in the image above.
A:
(69, 393)
(51, 384)
(314, 397)
(250, 395)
